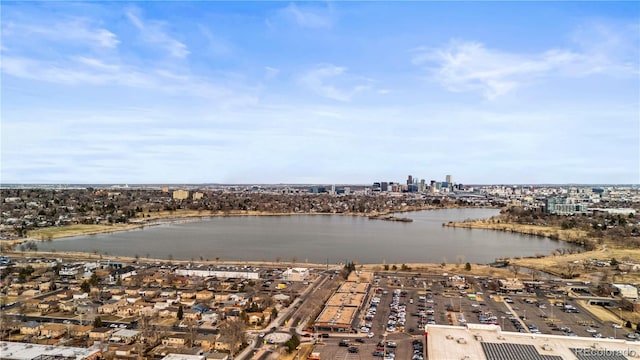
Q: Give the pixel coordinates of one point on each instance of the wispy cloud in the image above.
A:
(470, 66)
(92, 71)
(270, 72)
(216, 44)
(463, 66)
(154, 32)
(333, 82)
(74, 29)
(308, 16)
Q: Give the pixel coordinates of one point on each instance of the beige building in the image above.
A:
(197, 195)
(180, 194)
(296, 274)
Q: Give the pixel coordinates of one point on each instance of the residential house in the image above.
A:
(148, 311)
(261, 317)
(53, 330)
(79, 330)
(67, 306)
(126, 310)
(169, 312)
(80, 296)
(111, 306)
(100, 334)
(188, 294)
(190, 314)
(30, 328)
(45, 286)
(30, 293)
(49, 305)
(125, 335)
(87, 308)
(125, 352)
(176, 340)
(206, 341)
(204, 295)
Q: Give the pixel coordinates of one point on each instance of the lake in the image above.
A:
(319, 239)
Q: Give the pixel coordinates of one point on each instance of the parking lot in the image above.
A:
(409, 302)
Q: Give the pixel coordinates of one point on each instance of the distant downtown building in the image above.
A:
(564, 206)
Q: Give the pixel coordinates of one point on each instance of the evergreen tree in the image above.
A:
(85, 287)
(467, 267)
(97, 322)
(180, 312)
(614, 262)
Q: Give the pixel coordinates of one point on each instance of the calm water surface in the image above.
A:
(318, 239)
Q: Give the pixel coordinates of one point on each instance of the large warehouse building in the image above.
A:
(488, 342)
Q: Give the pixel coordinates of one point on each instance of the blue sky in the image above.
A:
(320, 92)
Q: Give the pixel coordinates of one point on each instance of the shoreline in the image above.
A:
(430, 268)
(571, 236)
(67, 231)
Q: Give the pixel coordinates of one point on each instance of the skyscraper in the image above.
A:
(409, 180)
(448, 179)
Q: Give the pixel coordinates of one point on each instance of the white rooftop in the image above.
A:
(183, 357)
(126, 333)
(24, 351)
(458, 342)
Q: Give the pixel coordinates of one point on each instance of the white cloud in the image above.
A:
(217, 45)
(333, 82)
(90, 71)
(470, 66)
(70, 30)
(153, 32)
(308, 16)
(463, 66)
(270, 72)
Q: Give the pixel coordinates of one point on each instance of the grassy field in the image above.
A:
(555, 232)
(476, 270)
(57, 232)
(561, 264)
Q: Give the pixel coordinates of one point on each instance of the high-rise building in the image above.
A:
(376, 186)
(384, 186)
(409, 180)
(422, 185)
(448, 179)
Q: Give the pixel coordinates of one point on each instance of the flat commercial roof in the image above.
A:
(183, 357)
(469, 342)
(345, 299)
(24, 351)
(352, 286)
(335, 315)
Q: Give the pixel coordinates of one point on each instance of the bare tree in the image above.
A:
(515, 269)
(233, 333)
(571, 269)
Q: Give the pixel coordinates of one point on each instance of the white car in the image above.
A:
(617, 326)
(592, 331)
(370, 335)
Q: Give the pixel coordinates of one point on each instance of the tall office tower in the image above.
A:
(449, 179)
(384, 186)
(409, 180)
(422, 185)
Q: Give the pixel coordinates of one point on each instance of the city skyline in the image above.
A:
(320, 93)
